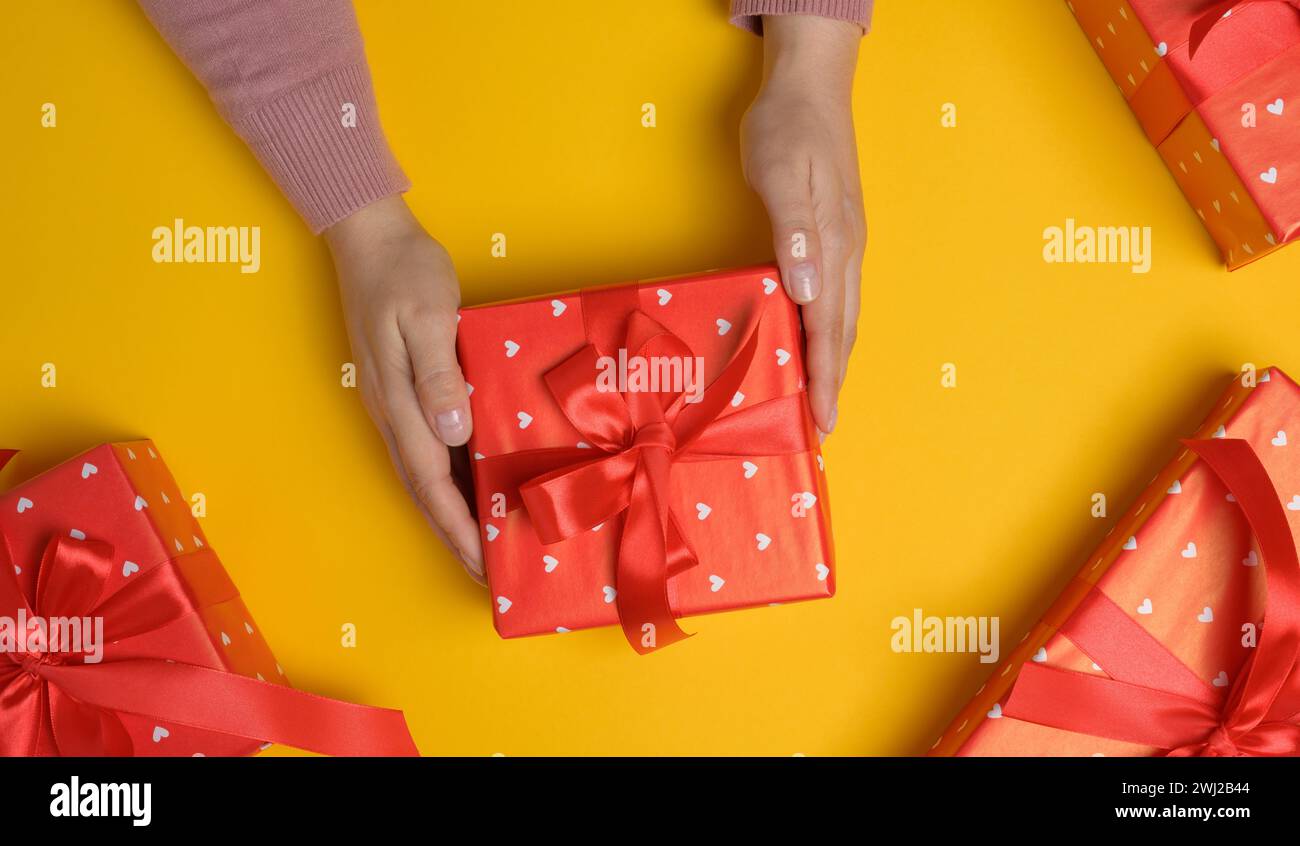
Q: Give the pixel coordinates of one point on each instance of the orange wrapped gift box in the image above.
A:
(1179, 635)
(122, 634)
(1216, 88)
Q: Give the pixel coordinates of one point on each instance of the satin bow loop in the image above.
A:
(54, 702)
(1210, 19)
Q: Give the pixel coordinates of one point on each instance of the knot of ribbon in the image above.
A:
(638, 436)
(54, 702)
(1148, 696)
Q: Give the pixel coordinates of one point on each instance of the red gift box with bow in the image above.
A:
(1215, 85)
(122, 634)
(1181, 634)
(645, 452)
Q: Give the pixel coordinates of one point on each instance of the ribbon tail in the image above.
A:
(644, 610)
(219, 701)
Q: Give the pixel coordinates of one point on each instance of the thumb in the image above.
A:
(794, 234)
(439, 385)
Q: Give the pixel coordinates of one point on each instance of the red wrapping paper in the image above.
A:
(184, 669)
(757, 524)
(1166, 620)
(1193, 71)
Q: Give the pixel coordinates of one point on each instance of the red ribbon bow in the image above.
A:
(53, 703)
(1206, 22)
(640, 436)
(1152, 698)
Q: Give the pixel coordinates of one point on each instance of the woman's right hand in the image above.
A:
(400, 297)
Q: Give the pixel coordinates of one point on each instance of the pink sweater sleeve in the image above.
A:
(749, 13)
(291, 77)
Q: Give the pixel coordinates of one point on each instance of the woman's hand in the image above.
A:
(400, 297)
(800, 156)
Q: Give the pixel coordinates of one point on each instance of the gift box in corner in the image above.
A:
(1216, 88)
(1179, 635)
(645, 452)
(122, 634)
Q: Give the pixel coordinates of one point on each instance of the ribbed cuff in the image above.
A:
(329, 160)
(749, 13)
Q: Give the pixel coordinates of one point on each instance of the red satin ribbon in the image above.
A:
(54, 704)
(1206, 22)
(1153, 699)
(639, 437)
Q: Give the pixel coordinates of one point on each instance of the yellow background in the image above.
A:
(521, 118)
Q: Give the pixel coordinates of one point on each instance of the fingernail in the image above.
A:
(473, 565)
(451, 426)
(803, 282)
(835, 415)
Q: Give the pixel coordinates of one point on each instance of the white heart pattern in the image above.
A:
(557, 308)
(511, 349)
(809, 499)
(1280, 440)
(129, 567)
(664, 296)
(1162, 48)
(1220, 433)
(1131, 543)
(88, 470)
(1221, 680)
(1251, 559)
(551, 563)
(491, 531)
(1269, 176)
(77, 533)
(737, 399)
(822, 571)
(1189, 551)
(24, 503)
(724, 326)
(716, 583)
(769, 285)
(159, 733)
(503, 604)
(225, 639)
(1145, 607)
(1294, 504)
(610, 594)
(1276, 107)
(751, 468)
(702, 510)
(1176, 487)
(140, 503)
(763, 541)
(996, 711)
(1206, 615)
(782, 357)
(524, 419)
(1041, 655)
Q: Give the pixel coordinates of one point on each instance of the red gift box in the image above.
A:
(604, 502)
(1216, 88)
(1179, 635)
(122, 633)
